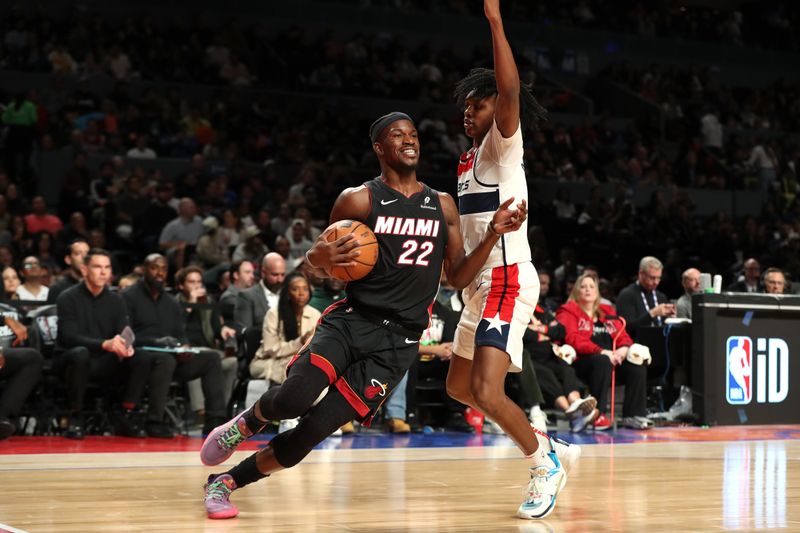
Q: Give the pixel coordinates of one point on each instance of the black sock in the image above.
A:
(253, 423)
(246, 472)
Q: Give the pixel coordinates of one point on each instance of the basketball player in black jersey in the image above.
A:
(363, 344)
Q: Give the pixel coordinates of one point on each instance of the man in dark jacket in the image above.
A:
(158, 321)
(91, 320)
(640, 303)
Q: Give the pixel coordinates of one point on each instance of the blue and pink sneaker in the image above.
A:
(218, 494)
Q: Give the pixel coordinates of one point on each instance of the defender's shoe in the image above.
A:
(547, 479)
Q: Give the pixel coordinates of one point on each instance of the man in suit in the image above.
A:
(253, 303)
(752, 278)
(640, 303)
(242, 277)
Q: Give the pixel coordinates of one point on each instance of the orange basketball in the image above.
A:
(367, 245)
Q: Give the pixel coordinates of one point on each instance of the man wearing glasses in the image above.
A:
(640, 303)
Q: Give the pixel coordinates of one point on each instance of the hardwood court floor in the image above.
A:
(643, 486)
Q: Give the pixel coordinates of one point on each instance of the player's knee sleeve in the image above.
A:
(294, 396)
(326, 417)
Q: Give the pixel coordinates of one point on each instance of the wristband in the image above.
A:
(491, 228)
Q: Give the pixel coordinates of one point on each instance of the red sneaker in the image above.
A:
(602, 423)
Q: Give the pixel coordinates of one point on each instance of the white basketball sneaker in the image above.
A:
(548, 477)
(566, 452)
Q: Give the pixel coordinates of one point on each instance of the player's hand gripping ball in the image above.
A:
(367, 248)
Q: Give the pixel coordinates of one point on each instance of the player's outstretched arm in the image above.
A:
(506, 113)
(352, 204)
(461, 268)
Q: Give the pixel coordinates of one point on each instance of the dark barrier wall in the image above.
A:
(746, 367)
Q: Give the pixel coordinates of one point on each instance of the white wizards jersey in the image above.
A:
(487, 176)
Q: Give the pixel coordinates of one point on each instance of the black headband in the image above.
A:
(379, 125)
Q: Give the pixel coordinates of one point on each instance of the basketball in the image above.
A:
(368, 246)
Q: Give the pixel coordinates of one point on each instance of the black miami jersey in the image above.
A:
(412, 236)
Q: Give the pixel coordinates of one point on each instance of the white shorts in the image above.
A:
(498, 306)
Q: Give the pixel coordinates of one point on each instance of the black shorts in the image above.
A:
(363, 359)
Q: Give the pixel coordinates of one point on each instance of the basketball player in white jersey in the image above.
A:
(501, 300)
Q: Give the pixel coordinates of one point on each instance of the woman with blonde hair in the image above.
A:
(591, 328)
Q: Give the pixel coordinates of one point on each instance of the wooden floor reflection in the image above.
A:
(673, 486)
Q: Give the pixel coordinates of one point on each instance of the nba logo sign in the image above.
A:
(739, 385)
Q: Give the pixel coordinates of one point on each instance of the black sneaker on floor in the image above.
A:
(75, 429)
(6, 429)
(457, 422)
(127, 424)
(159, 430)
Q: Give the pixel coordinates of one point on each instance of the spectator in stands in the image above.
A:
(712, 131)
(332, 290)
(40, 220)
(205, 329)
(231, 233)
(127, 280)
(765, 162)
(751, 280)
(142, 150)
(263, 222)
(253, 303)
(774, 281)
(311, 232)
(183, 231)
(20, 369)
(75, 230)
(640, 303)
(157, 320)
(211, 251)
(251, 248)
(691, 285)
(590, 328)
(43, 249)
(20, 117)
(283, 248)
(90, 346)
(10, 283)
(282, 222)
(159, 212)
(286, 328)
(241, 276)
(130, 203)
(74, 273)
(299, 243)
(32, 289)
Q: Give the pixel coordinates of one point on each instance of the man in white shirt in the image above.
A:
(141, 150)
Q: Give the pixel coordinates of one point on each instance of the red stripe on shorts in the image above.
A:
(319, 362)
(352, 398)
(503, 293)
(324, 365)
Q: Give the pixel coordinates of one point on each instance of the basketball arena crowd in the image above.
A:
(201, 159)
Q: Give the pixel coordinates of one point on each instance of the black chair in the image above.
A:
(249, 341)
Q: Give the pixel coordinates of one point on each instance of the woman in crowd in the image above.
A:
(10, 283)
(590, 329)
(286, 329)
